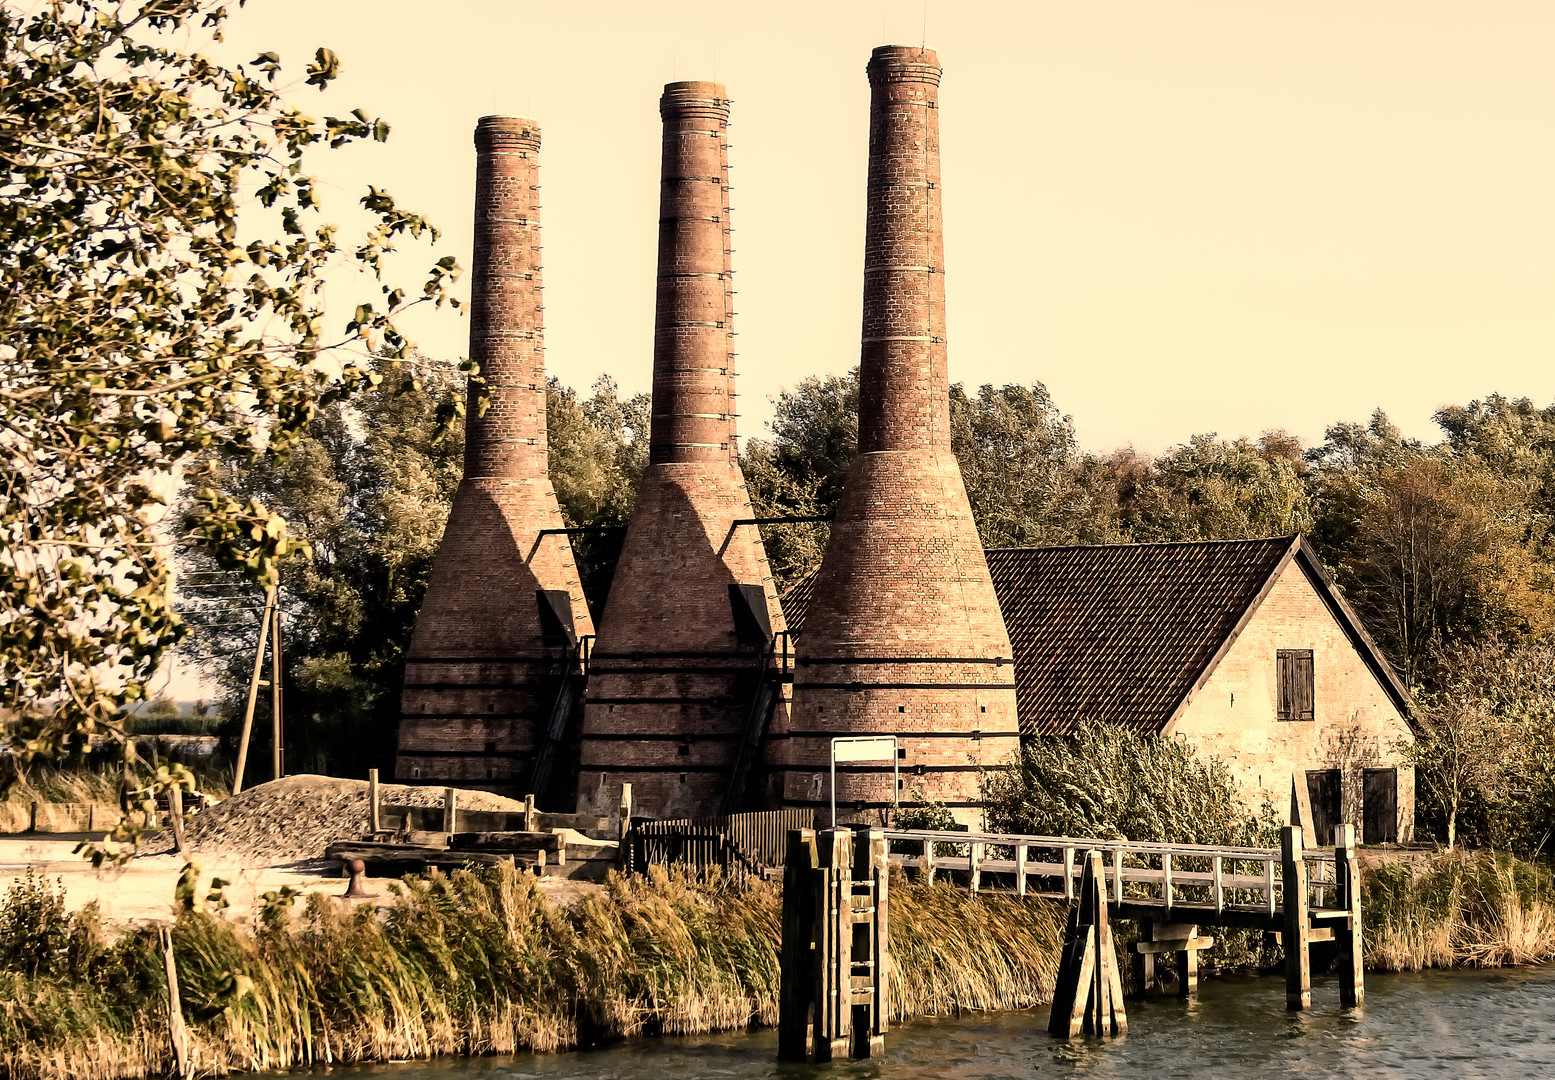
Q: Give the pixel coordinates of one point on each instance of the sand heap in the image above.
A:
(296, 817)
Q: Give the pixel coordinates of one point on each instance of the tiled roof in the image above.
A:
(1117, 633)
(1121, 633)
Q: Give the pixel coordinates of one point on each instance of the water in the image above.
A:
(1467, 1024)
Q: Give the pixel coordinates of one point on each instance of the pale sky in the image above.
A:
(1181, 215)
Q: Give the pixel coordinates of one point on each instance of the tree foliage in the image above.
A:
(164, 257)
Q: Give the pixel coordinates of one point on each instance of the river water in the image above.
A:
(1461, 1024)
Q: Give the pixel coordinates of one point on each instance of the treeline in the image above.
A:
(1444, 548)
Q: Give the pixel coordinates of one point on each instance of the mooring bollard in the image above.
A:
(835, 963)
(356, 888)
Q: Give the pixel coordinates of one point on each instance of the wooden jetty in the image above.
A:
(1303, 896)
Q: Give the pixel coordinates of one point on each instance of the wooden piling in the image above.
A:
(1295, 938)
(1020, 869)
(1088, 993)
(451, 810)
(797, 960)
(834, 908)
(1352, 951)
(926, 863)
(975, 863)
(531, 816)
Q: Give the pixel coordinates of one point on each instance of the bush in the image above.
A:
(1110, 784)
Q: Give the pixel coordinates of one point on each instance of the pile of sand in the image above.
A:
(297, 817)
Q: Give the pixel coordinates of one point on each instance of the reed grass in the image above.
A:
(1460, 908)
(472, 962)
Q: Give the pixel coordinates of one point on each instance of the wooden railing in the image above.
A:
(1219, 878)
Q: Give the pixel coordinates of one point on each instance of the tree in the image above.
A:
(369, 486)
(800, 471)
(1106, 782)
(598, 451)
(1021, 466)
(164, 260)
(1433, 554)
(1483, 747)
(1208, 489)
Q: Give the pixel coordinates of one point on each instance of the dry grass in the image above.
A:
(467, 963)
(1461, 908)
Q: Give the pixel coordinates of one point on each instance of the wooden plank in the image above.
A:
(374, 822)
(1173, 945)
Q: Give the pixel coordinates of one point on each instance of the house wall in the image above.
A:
(1355, 724)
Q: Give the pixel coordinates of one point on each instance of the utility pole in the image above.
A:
(253, 688)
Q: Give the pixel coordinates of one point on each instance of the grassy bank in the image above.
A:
(464, 964)
(481, 962)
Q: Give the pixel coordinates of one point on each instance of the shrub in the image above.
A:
(1108, 783)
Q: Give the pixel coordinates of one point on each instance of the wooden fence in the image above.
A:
(750, 843)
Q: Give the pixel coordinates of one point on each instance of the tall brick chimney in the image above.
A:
(684, 641)
(904, 636)
(493, 652)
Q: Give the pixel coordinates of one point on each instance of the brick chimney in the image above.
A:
(684, 641)
(904, 636)
(496, 635)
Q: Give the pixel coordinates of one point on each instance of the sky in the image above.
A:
(1182, 217)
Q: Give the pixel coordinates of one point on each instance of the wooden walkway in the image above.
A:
(1303, 895)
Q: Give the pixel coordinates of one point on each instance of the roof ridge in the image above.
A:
(1150, 544)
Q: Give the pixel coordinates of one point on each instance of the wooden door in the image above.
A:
(1379, 806)
(1323, 792)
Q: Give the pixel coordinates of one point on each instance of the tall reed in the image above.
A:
(466, 963)
(1459, 908)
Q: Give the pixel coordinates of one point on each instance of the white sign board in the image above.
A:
(863, 748)
(882, 748)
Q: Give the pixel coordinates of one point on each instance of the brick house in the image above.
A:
(1243, 647)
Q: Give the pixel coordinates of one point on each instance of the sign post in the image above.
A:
(864, 748)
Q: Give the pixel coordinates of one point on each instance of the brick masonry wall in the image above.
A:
(670, 686)
(1355, 724)
(904, 635)
(480, 675)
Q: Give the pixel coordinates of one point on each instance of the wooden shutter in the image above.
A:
(1295, 678)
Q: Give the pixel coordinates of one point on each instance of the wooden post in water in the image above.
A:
(798, 958)
(1352, 951)
(1088, 995)
(868, 975)
(834, 944)
(835, 962)
(1298, 960)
